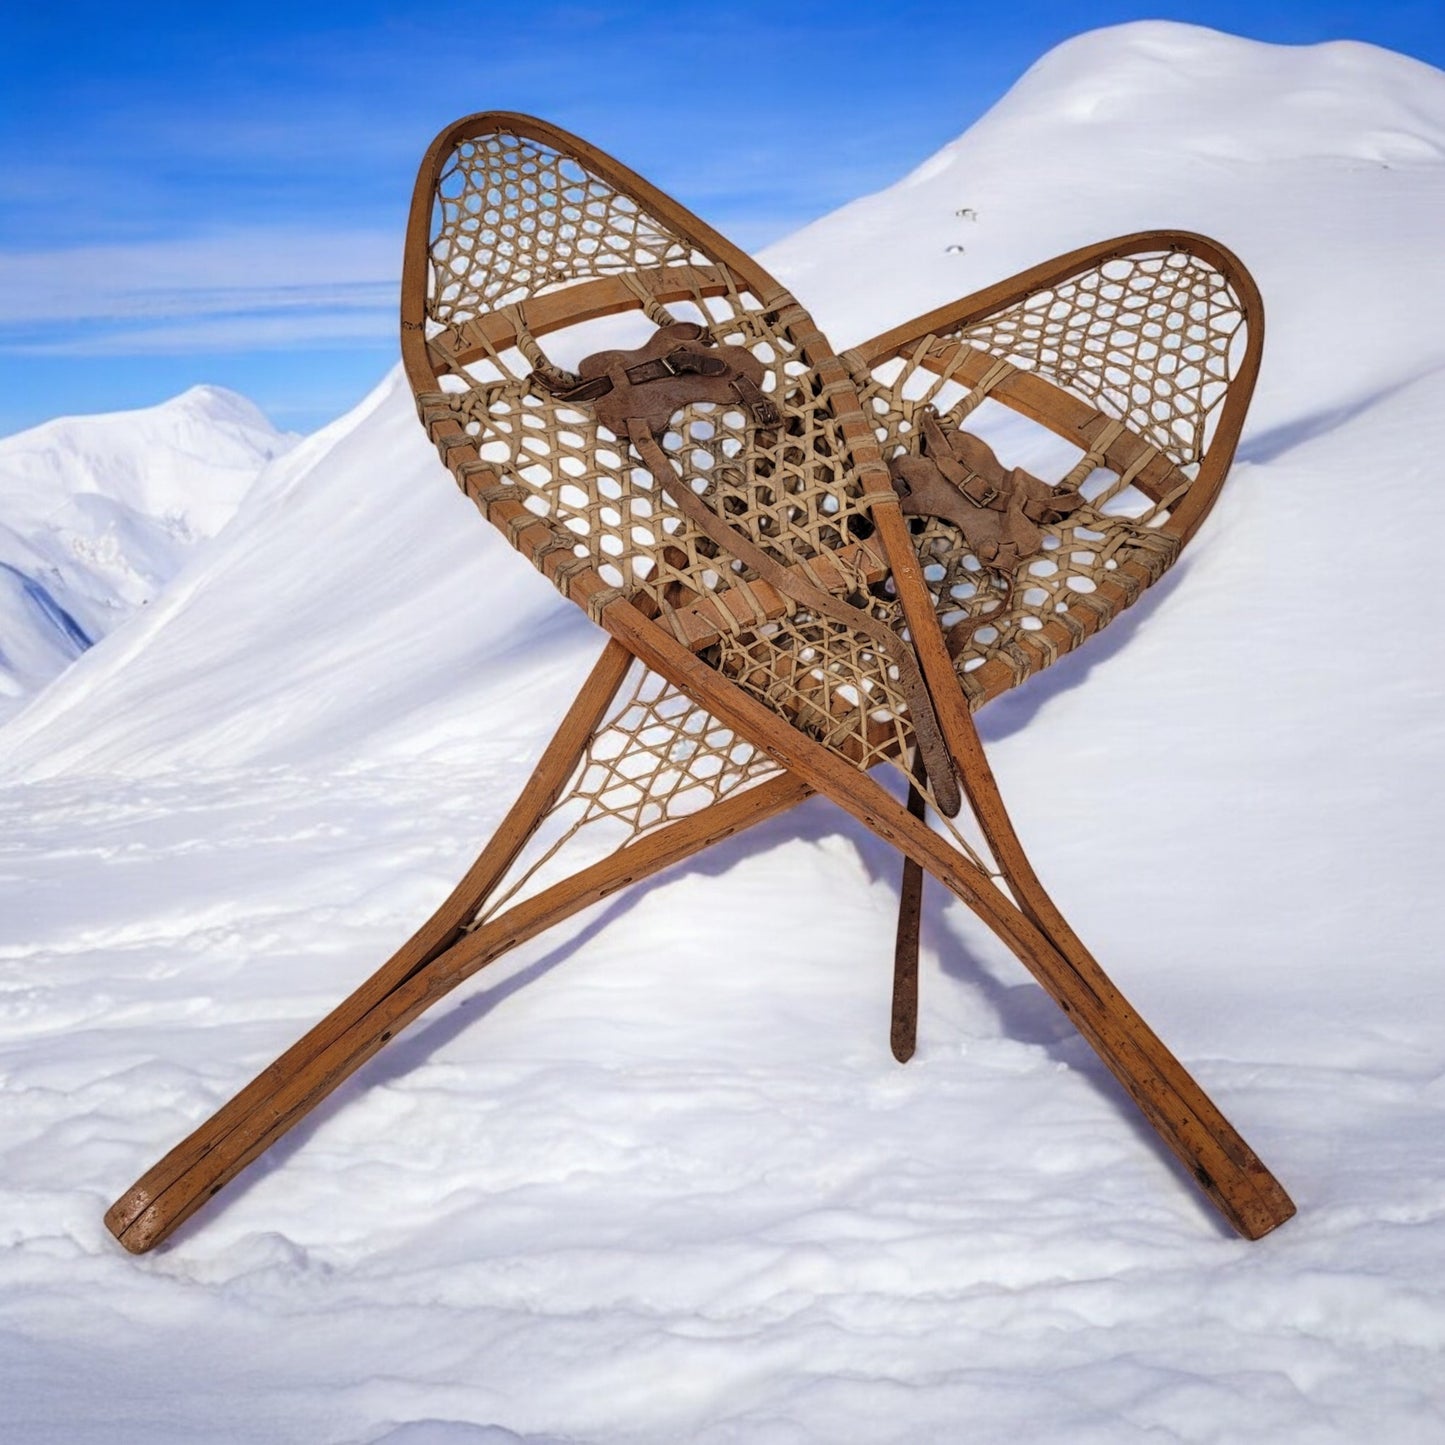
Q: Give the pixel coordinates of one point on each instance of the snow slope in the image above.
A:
(657, 1178)
(98, 513)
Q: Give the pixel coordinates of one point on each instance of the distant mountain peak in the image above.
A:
(220, 403)
(98, 513)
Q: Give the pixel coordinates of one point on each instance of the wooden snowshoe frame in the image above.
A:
(728, 691)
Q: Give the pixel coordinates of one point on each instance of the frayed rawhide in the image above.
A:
(788, 551)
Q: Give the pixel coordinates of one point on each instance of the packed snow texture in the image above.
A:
(655, 1177)
(99, 513)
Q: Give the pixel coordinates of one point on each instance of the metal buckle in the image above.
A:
(685, 361)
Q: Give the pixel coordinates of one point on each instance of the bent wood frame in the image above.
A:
(445, 950)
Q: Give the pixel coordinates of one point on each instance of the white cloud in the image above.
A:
(237, 270)
(244, 289)
(313, 331)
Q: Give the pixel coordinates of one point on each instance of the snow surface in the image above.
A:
(656, 1178)
(99, 513)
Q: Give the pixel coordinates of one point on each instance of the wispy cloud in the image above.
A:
(179, 275)
(251, 287)
(253, 331)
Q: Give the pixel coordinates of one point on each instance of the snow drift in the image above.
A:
(657, 1178)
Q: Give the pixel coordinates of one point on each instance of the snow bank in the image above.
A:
(658, 1178)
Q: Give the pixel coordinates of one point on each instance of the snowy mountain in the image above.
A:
(657, 1178)
(98, 513)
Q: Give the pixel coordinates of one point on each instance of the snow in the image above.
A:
(656, 1177)
(99, 513)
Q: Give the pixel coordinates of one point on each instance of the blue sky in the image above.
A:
(216, 193)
